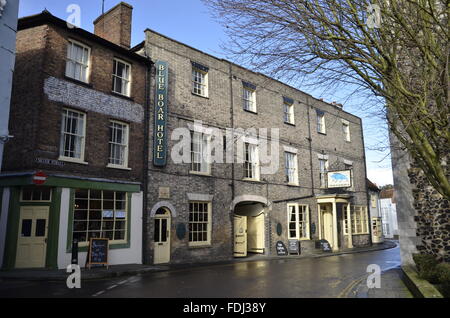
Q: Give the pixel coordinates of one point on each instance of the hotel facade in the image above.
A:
(101, 127)
(202, 210)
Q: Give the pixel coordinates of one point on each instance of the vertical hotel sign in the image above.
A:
(160, 128)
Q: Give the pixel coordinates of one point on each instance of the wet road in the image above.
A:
(309, 277)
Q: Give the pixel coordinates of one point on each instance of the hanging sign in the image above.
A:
(160, 124)
(339, 179)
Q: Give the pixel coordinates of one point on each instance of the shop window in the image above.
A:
(360, 224)
(34, 194)
(100, 214)
(199, 223)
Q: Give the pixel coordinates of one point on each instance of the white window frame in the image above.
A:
(70, 59)
(302, 209)
(125, 145)
(251, 162)
(360, 224)
(323, 172)
(249, 99)
(373, 201)
(289, 116)
(63, 134)
(321, 128)
(208, 224)
(116, 77)
(346, 130)
(201, 85)
(201, 152)
(126, 220)
(291, 167)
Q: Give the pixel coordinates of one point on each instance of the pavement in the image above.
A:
(392, 285)
(136, 269)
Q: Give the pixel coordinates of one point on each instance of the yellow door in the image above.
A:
(327, 218)
(32, 240)
(240, 236)
(255, 233)
(162, 238)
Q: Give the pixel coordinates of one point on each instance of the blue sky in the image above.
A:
(189, 22)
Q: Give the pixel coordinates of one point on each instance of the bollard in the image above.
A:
(75, 252)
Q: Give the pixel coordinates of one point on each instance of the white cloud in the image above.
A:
(380, 176)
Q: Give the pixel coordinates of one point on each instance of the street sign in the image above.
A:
(39, 178)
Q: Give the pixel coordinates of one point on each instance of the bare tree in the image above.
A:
(397, 50)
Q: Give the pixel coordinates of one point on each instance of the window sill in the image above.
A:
(194, 247)
(74, 80)
(198, 95)
(122, 96)
(117, 167)
(322, 133)
(252, 180)
(290, 124)
(250, 111)
(205, 174)
(72, 160)
(293, 184)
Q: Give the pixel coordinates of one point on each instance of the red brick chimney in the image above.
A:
(115, 25)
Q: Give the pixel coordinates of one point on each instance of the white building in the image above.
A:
(389, 213)
(375, 212)
(9, 10)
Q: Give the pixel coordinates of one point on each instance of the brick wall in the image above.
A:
(41, 91)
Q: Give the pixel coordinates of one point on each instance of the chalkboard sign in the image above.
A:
(294, 247)
(325, 245)
(281, 249)
(98, 252)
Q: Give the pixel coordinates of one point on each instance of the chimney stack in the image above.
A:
(115, 25)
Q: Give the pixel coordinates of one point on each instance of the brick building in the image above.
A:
(78, 116)
(201, 211)
(177, 103)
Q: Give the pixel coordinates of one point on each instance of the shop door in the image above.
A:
(255, 234)
(32, 240)
(162, 238)
(327, 218)
(240, 236)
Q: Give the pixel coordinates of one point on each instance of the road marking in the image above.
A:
(111, 287)
(98, 294)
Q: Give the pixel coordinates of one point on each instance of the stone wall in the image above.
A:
(432, 217)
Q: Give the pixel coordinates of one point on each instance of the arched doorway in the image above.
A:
(249, 226)
(161, 236)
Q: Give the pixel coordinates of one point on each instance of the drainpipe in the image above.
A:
(145, 217)
(310, 148)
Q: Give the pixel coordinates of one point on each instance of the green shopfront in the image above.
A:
(38, 223)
